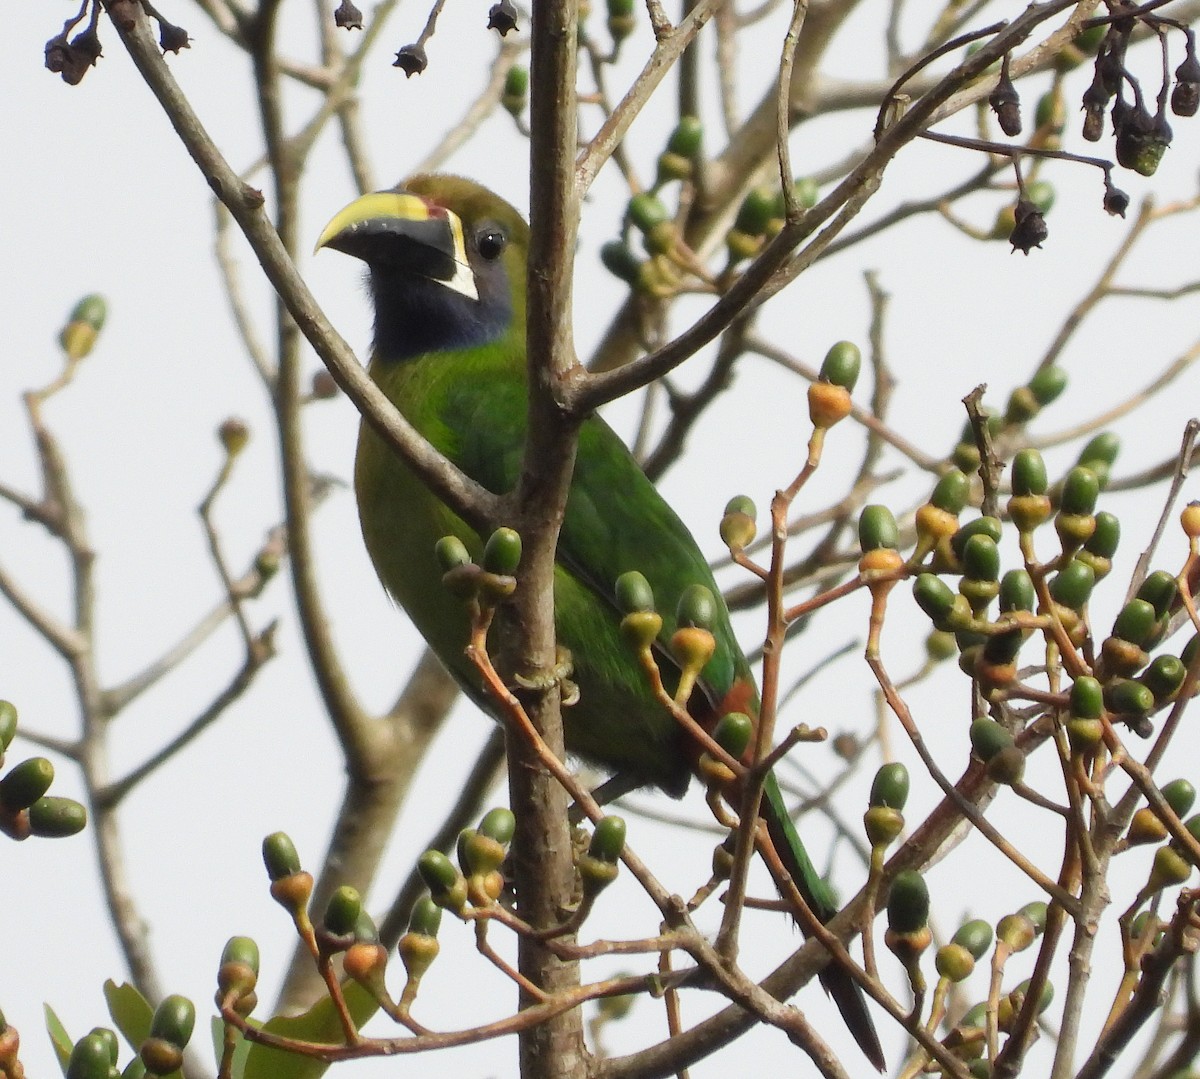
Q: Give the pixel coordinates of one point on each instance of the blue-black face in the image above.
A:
(417, 308)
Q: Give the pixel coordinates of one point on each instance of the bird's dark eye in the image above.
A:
(491, 242)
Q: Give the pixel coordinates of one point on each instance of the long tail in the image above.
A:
(838, 983)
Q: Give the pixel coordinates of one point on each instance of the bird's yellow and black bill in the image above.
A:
(402, 231)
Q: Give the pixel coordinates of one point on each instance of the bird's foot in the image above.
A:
(557, 675)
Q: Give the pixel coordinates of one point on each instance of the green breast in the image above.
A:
(472, 409)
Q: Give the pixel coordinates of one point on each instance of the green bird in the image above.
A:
(447, 263)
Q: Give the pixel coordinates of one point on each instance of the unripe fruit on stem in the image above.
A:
(498, 824)
(1017, 592)
(890, 786)
(842, 364)
(8, 725)
(84, 324)
(953, 962)
(608, 839)
(755, 212)
(697, 608)
(342, 911)
(1159, 589)
(1072, 585)
(975, 936)
(738, 527)
(238, 972)
(733, 733)
(446, 884)
(908, 902)
(685, 139)
(279, 856)
(26, 783)
(877, 528)
(89, 1058)
(426, 917)
(1029, 473)
(1169, 868)
(479, 854)
(1180, 795)
(633, 592)
(56, 818)
(502, 554)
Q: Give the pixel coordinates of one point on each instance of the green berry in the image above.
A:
(437, 871)
(733, 733)
(1080, 491)
(842, 364)
(634, 593)
(738, 527)
(988, 738)
(90, 1058)
(939, 603)
(877, 528)
(1029, 473)
(498, 824)
(951, 492)
(1124, 697)
(1105, 537)
(1048, 384)
(890, 786)
(647, 212)
(685, 139)
(620, 261)
(426, 917)
(908, 902)
(1072, 586)
(1135, 622)
(697, 607)
(1087, 698)
(756, 212)
(975, 936)
(1103, 447)
(8, 725)
(451, 553)
(1180, 795)
(1159, 589)
(109, 1038)
(1017, 592)
(173, 1020)
(279, 856)
(56, 818)
(341, 914)
(981, 558)
(502, 554)
(980, 526)
(26, 783)
(242, 950)
(83, 326)
(608, 839)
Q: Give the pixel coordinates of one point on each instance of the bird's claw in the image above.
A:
(557, 675)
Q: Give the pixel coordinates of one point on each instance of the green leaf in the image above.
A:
(130, 1012)
(318, 1024)
(59, 1038)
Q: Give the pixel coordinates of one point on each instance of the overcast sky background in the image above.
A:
(99, 196)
